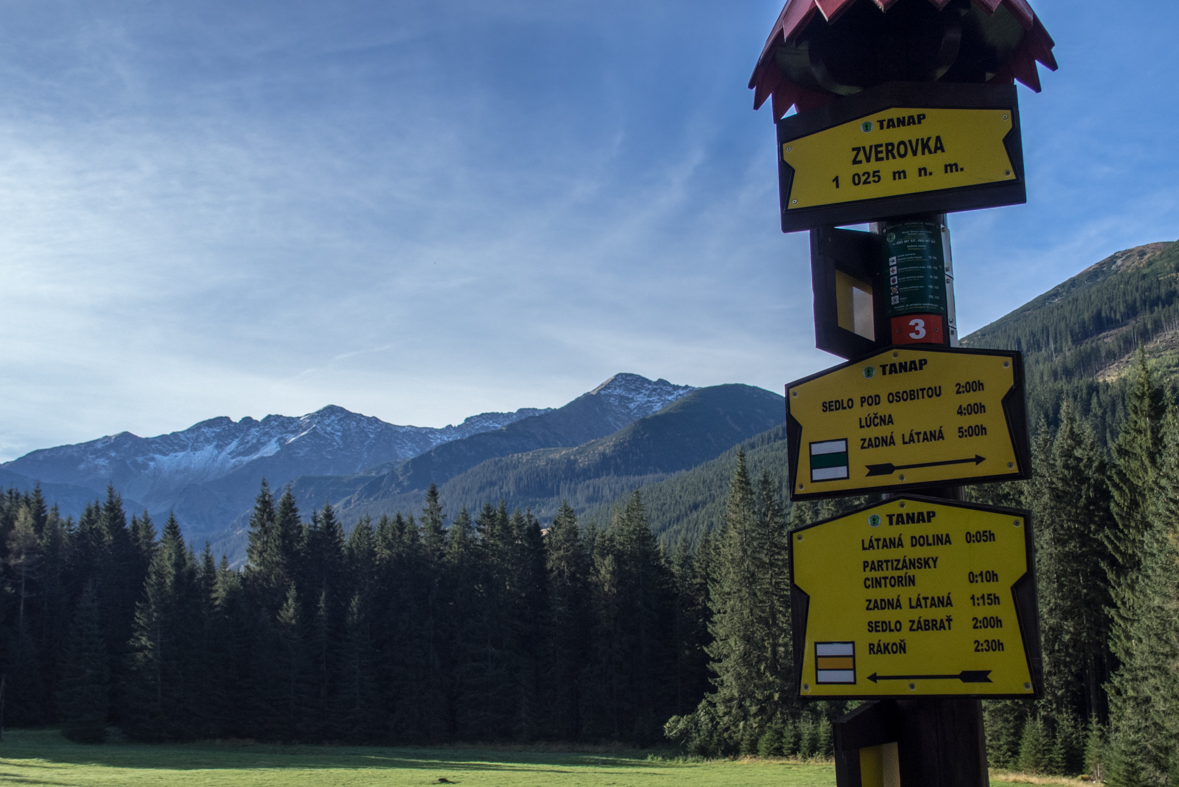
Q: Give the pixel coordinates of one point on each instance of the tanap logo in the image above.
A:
(869, 372)
(866, 126)
(874, 520)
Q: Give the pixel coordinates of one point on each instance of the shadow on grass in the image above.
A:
(55, 751)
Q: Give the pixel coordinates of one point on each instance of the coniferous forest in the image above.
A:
(423, 629)
(437, 627)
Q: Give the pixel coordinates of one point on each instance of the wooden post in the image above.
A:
(939, 742)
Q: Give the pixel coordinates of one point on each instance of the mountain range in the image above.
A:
(209, 474)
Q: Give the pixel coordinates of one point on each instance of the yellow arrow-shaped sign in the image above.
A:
(916, 597)
(899, 151)
(906, 418)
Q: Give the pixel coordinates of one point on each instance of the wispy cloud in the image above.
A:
(424, 210)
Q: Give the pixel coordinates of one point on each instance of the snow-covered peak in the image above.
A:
(639, 396)
(489, 422)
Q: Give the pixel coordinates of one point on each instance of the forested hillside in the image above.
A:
(690, 504)
(681, 436)
(1079, 338)
(1089, 326)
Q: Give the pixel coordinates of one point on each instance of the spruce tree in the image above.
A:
(54, 606)
(530, 621)
(463, 598)
(1145, 688)
(1003, 722)
(567, 563)
(1135, 455)
(397, 626)
(120, 586)
(633, 609)
(1094, 764)
(749, 599)
(1132, 479)
(493, 665)
(266, 569)
(143, 543)
(1034, 747)
(1160, 585)
(39, 509)
(1135, 543)
(83, 693)
(163, 659)
(290, 665)
(690, 629)
(89, 550)
(434, 678)
(1073, 525)
(237, 703)
(290, 537)
(360, 559)
(778, 662)
(356, 712)
(24, 560)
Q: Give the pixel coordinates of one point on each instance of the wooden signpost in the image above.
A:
(923, 605)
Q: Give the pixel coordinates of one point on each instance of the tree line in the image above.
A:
(406, 630)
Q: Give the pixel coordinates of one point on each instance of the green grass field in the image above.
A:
(43, 757)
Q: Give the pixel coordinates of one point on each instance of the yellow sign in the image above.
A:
(917, 597)
(908, 417)
(899, 151)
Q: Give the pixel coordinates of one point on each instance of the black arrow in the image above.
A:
(888, 468)
(966, 676)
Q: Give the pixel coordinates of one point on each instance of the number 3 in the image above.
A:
(918, 329)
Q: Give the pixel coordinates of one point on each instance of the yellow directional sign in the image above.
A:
(907, 418)
(916, 597)
(900, 149)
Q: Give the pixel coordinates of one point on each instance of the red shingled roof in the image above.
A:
(769, 80)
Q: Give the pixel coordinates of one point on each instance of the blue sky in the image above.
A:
(425, 210)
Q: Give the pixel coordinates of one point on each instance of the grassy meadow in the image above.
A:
(43, 757)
